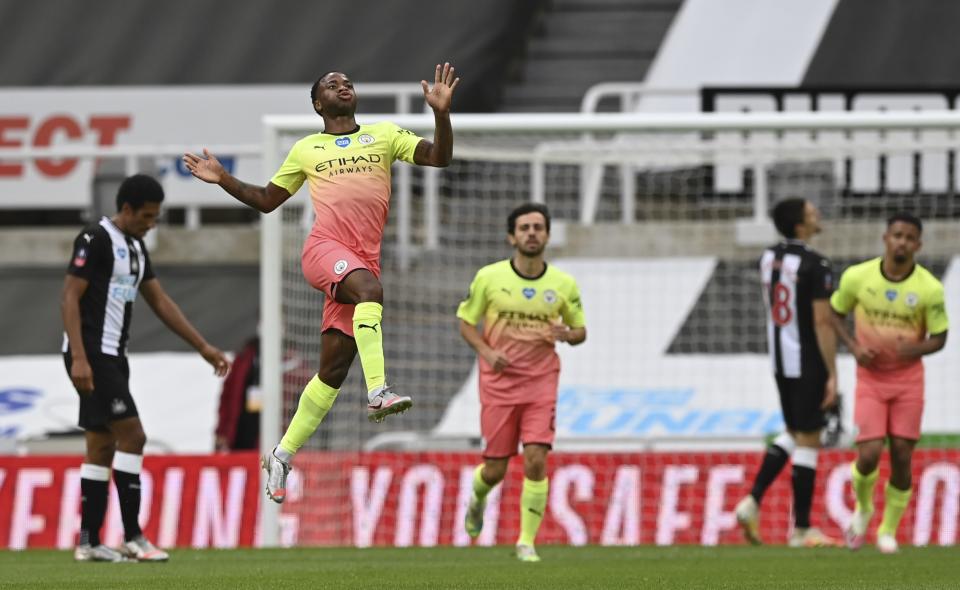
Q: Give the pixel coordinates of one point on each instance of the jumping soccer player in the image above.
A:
(109, 266)
(347, 167)
(526, 307)
(797, 283)
(900, 316)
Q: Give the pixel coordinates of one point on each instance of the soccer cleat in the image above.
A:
(748, 515)
(277, 472)
(527, 553)
(141, 549)
(96, 553)
(857, 529)
(385, 403)
(811, 537)
(473, 521)
(887, 543)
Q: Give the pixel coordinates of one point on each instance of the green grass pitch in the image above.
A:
(442, 568)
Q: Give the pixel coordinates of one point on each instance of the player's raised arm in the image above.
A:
(439, 96)
(209, 169)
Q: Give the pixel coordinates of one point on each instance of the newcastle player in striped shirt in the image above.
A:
(797, 284)
(108, 267)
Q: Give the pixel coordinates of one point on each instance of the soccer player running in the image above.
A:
(347, 167)
(899, 317)
(797, 283)
(526, 307)
(109, 266)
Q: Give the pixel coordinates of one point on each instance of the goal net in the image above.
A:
(664, 411)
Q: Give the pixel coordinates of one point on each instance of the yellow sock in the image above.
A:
(366, 331)
(863, 487)
(315, 401)
(480, 487)
(896, 502)
(533, 505)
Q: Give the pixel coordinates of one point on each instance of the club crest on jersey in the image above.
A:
(340, 267)
(366, 139)
(529, 292)
(342, 142)
(550, 296)
(911, 299)
(81, 258)
(891, 294)
(121, 253)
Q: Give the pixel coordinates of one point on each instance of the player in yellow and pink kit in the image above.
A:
(347, 169)
(526, 307)
(900, 317)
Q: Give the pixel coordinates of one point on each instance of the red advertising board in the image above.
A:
(404, 499)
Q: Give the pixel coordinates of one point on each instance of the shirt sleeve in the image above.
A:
(936, 312)
(471, 309)
(290, 176)
(147, 265)
(844, 299)
(90, 255)
(822, 279)
(403, 143)
(572, 311)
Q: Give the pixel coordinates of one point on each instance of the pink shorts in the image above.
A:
(884, 409)
(503, 427)
(326, 263)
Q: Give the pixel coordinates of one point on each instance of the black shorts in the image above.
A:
(800, 401)
(110, 399)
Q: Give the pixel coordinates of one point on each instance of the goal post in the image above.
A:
(667, 226)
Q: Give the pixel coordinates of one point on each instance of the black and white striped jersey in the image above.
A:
(115, 265)
(794, 275)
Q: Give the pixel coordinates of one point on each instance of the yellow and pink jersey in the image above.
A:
(889, 312)
(517, 314)
(349, 180)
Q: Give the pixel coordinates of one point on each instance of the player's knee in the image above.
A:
(493, 473)
(535, 468)
(372, 291)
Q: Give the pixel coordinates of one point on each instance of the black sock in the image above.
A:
(93, 508)
(128, 492)
(773, 462)
(803, 481)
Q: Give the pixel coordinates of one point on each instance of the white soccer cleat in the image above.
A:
(811, 537)
(857, 529)
(887, 543)
(277, 472)
(385, 403)
(96, 553)
(527, 553)
(141, 549)
(748, 516)
(473, 521)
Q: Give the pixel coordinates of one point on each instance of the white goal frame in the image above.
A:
(582, 125)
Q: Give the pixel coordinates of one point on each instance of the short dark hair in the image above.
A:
(139, 189)
(905, 217)
(523, 210)
(787, 214)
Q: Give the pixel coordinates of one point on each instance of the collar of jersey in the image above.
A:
(355, 129)
(525, 277)
(905, 277)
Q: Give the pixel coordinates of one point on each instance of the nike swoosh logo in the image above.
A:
(373, 327)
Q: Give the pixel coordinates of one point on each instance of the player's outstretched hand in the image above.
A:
(441, 94)
(207, 168)
(216, 358)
